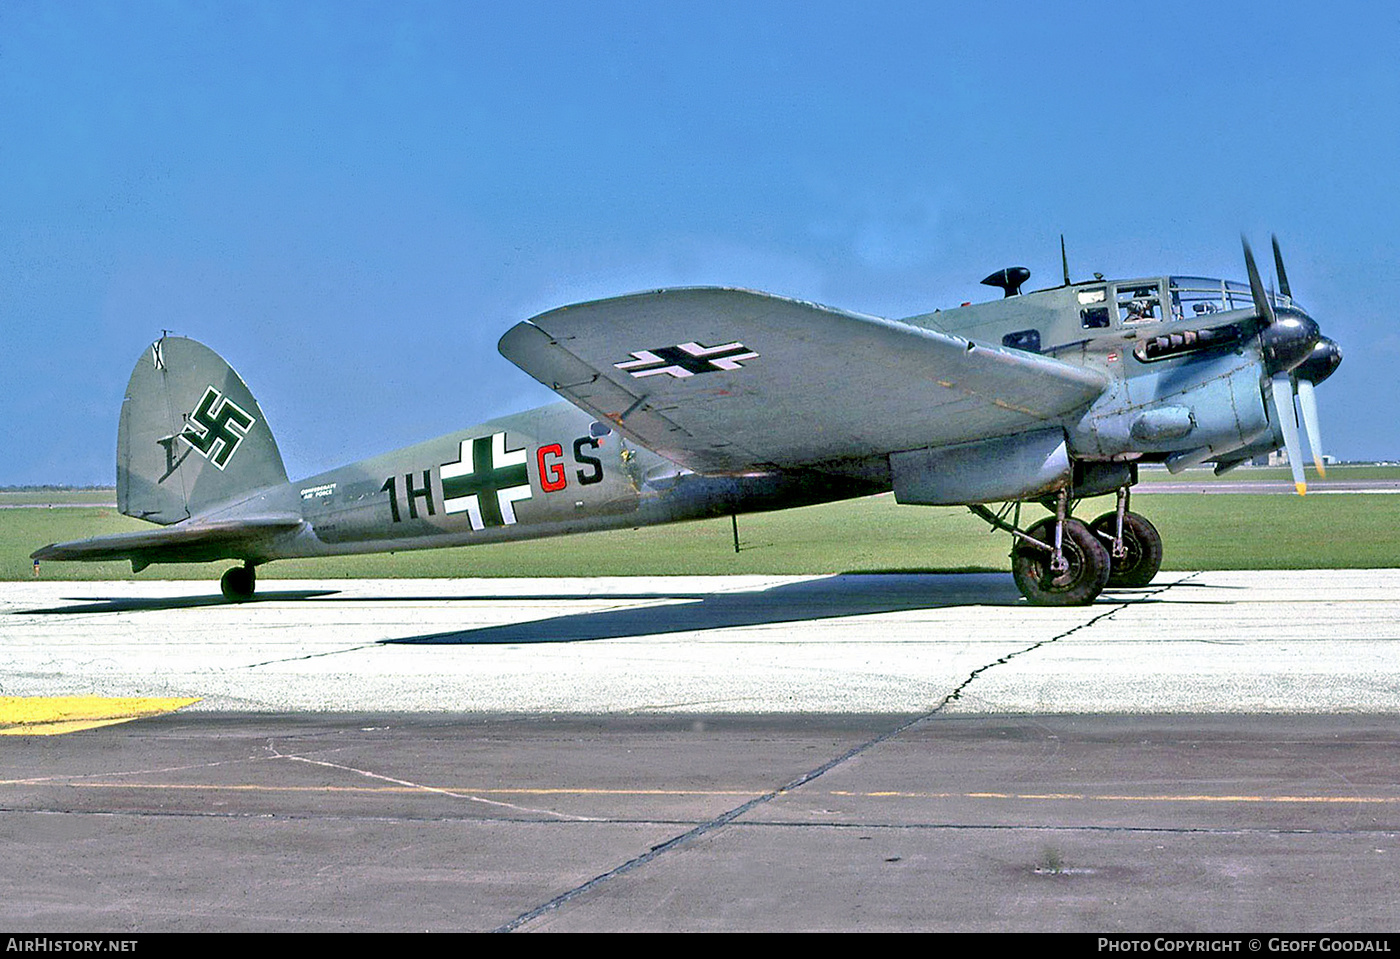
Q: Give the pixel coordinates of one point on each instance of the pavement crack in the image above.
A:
(725, 818)
(705, 827)
(330, 652)
(78, 777)
(1088, 624)
(276, 754)
(972, 677)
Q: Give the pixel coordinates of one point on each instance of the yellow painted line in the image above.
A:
(379, 790)
(55, 715)
(693, 793)
(1090, 797)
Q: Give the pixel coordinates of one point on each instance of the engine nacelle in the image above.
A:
(1025, 466)
(1221, 408)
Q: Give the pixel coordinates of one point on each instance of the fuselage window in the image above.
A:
(1093, 317)
(1139, 304)
(1028, 340)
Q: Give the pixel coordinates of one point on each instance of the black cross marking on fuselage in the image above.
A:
(217, 420)
(485, 480)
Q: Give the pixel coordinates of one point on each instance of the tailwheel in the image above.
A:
(1142, 549)
(1085, 572)
(237, 584)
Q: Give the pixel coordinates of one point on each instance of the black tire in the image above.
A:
(237, 584)
(1085, 578)
(1144, 546)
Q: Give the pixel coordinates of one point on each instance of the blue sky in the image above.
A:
(352, 201)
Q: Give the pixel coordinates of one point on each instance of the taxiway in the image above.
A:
(1216, 752)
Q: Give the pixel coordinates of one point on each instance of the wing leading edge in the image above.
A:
(723, 380)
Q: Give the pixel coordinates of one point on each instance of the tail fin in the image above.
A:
(191, 435)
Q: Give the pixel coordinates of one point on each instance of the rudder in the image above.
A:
(191, 435)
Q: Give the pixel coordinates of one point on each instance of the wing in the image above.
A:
(723, 380)
(190, 542)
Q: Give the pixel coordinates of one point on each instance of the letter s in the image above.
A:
(580, 457)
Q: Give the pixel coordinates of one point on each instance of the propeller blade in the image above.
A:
(1281, 404)
(1256, 287)
(1278, 268)
(1307, 405)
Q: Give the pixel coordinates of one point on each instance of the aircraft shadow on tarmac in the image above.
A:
(833, 597)
(128, 604)
(827, 598)
(845, 594)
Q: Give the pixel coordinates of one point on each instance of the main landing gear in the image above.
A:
(1062, 562)
(238, 583)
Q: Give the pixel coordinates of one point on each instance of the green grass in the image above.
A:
(866, 535)
(93, 495)
(1268, 474)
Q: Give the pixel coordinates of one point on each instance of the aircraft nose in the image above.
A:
(1321, 362)
(1290, 340)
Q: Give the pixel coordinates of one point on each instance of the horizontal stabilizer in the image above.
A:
(723, 380)
(193, 541)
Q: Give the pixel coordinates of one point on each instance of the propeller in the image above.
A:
(1296, 357)
(1262, 306)
(1283, 412)
(1280, 271)
(1325, 357)
(1307, 406)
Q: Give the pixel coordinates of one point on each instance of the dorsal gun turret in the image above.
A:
(1009, 279)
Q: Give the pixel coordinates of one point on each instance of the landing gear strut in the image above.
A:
(1085, 564)
(1133, 544)
(1071, 573)
(238, 583)
(1061, 562)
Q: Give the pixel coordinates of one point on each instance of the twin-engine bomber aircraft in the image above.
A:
(691, 403)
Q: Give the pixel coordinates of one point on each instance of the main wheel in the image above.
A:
(237, 584)
(1077, 585)
(1142, 542)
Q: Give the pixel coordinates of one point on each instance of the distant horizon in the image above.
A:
(39, 487)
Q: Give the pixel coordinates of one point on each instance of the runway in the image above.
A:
(1277, 641)
(1316, 487)
(775, 753)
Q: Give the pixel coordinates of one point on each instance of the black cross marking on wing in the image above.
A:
(686, 359)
